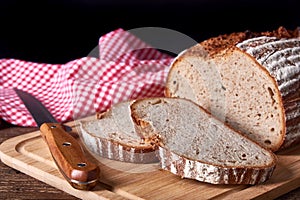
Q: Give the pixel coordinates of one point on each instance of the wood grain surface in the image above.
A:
(17, 185)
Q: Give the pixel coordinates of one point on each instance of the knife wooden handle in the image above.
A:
(69, 157)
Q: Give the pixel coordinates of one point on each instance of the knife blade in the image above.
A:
(66, 151)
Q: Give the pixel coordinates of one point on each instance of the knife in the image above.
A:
(67, 153)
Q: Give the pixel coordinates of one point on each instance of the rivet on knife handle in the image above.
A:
(69, 157)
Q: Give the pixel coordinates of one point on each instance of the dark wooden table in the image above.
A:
(17, 185)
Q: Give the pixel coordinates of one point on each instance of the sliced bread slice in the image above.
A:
(113, 136)
(248, 80)
(193, 144)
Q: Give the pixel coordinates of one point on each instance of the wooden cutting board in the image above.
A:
(29, 154)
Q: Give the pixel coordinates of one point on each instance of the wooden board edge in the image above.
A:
(12, 158)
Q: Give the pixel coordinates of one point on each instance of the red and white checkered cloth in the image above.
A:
(127, 68)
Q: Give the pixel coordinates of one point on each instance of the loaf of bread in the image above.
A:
(112, 135)
(193, 144)
(248, 80)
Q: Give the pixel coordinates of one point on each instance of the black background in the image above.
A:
(60, 31)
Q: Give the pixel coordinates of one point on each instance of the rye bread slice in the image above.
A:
(246, 79)
(194, 144)
(112, 135)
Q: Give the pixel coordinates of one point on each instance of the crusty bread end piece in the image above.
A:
(248, 80)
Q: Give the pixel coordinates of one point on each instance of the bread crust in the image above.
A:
(215, 45)
(210, 173)
(114, 150)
